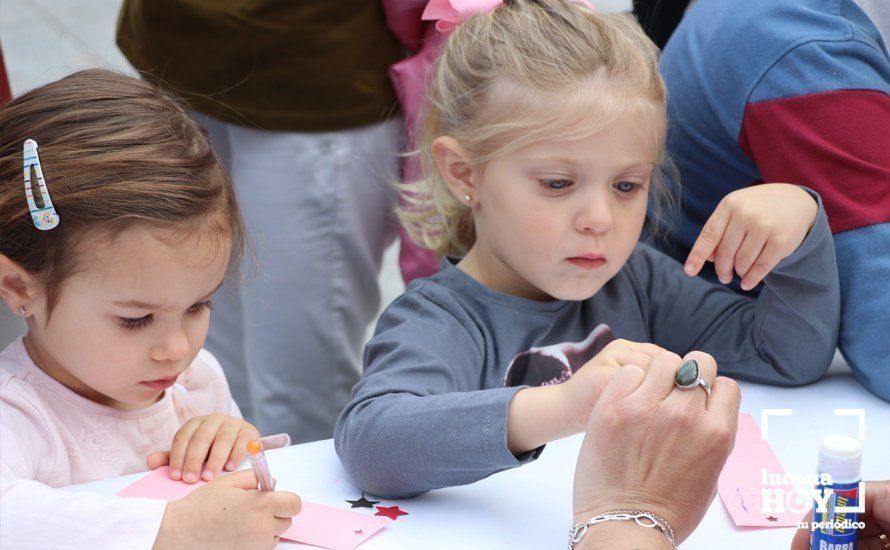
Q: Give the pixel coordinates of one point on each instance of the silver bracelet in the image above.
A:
(641, 518)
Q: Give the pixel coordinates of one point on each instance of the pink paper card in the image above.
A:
(333, 528)
(316, 524)
(158, 485)
(745, 478)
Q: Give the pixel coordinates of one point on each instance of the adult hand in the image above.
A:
(581, 392)
(876, 519)
(653, 447)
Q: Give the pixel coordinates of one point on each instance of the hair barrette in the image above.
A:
(44, 217)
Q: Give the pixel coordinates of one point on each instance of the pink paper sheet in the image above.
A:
(316, 524)
(741, 481)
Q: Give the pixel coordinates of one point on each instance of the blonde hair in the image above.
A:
(116, 152)
(562, 52)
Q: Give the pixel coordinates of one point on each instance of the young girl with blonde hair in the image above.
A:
(541, 149)
(112, 265)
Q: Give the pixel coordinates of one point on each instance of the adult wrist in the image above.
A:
(622, 535)
(620, 529)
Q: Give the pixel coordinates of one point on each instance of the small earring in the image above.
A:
(468, 199)
(22, 312)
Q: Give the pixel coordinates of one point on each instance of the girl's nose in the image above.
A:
(172, 347)
(595, 215)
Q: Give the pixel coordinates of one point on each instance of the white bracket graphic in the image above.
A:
(764, 420)
(854, 412)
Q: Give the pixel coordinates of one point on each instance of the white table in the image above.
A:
(530, 507)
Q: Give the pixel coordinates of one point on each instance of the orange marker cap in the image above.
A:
(254, 448)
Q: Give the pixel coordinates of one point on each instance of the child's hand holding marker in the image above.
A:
(228, 512)
(259, 466)
(217, 439)
(752, 230)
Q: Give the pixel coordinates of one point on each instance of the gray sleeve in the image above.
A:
(419, 418)
(786, 336)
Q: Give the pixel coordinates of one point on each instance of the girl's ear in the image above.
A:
(17, 287)
(456, 169)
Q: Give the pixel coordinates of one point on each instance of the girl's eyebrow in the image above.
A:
(555, 160)
(136, 304)
(562, 161)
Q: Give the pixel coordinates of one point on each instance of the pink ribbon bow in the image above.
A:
(450, 13)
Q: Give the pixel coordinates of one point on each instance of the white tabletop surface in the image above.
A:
(530, 506)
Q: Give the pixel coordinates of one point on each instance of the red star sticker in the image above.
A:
(392, 512)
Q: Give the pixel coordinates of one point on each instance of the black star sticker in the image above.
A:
(359, 532)
(363, 502)
(771, 518)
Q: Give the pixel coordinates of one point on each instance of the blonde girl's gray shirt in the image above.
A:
(430, 410)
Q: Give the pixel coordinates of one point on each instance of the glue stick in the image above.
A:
(840, 457)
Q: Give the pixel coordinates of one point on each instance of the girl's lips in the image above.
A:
(161, 383)
(588, 262)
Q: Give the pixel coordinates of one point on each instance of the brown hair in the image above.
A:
(532, 56)
(115, 152)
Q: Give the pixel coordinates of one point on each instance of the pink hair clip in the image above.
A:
(448, 14)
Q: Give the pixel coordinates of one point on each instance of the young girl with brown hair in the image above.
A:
(116, 293)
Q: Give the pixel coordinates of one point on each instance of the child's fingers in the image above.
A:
(769, 257)
(707, 240)
(749, 251)
(643, 347)
(282, 525)
(631, 357)
(222, 446)
(180, 445)
(285, 504)
(726, 251)
(239, 450)
(157, 459)
(245, 479)
(199, 446)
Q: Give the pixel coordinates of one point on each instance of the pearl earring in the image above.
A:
(468, 198)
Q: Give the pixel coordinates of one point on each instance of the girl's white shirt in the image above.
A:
(52, 437)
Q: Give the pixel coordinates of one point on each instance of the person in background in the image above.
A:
(5, 92)
(299, 106)
(794, 91)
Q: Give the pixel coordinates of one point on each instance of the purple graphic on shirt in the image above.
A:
(556, 363)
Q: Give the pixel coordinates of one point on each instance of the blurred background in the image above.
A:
(44, 40)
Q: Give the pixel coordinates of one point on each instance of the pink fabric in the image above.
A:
(403, 19)
(51, 437)
(408, 78)
(451, 13)
(5, 92)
